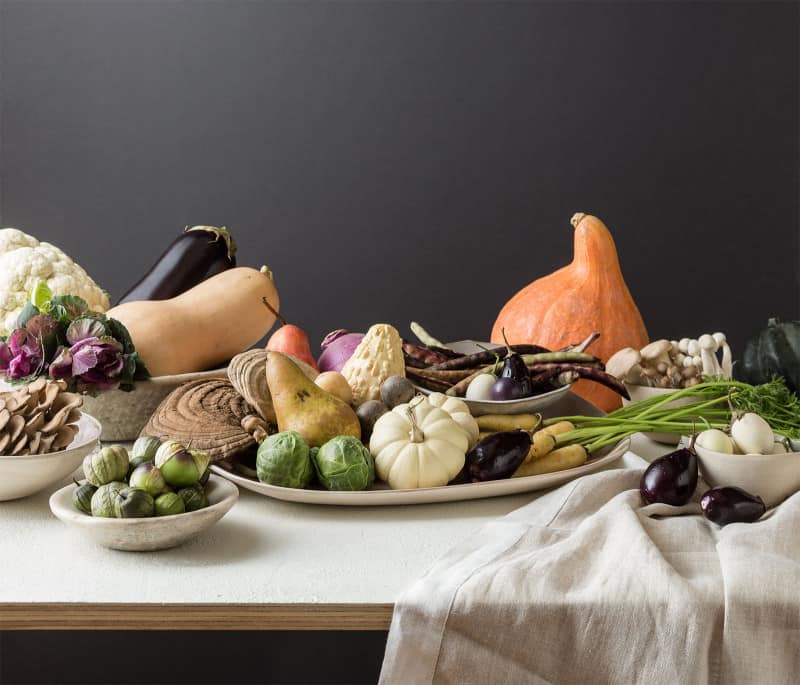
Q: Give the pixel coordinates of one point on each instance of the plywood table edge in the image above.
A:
(124, 616)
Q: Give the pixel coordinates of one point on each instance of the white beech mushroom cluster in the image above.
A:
(673, 363)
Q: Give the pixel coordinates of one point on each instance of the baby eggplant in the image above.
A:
(731, 505)
(511, 389)
(671, 479)
(515, 380)
(498, 455)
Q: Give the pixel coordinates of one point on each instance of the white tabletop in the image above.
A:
(263, 551)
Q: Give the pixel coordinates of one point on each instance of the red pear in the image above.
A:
(290, 339)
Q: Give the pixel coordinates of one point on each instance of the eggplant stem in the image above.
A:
(273, 310)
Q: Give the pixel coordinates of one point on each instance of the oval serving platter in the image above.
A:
(382, 495)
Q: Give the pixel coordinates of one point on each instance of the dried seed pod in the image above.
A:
(204, 415)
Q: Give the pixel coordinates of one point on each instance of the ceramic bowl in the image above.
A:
(22, 476)
(773, 477)
(124, 414)
(526, 405)
(643, 392)
(147, 534)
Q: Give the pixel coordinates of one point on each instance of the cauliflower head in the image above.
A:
(24, 261)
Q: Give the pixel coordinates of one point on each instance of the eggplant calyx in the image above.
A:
(218, 232)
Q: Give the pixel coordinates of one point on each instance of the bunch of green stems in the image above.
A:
(710, 404)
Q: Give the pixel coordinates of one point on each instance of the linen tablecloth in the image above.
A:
(586, 585)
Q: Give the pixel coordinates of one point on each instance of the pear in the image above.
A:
(290, 339)
(302, 406)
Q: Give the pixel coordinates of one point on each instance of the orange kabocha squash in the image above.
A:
(565, 306)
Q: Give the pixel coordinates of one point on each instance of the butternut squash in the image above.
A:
(565, 306)
(203, 327)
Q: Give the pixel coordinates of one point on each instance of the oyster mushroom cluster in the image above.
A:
(38, 418)
(673, 363)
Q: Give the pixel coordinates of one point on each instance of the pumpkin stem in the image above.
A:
(576, 219)
(416, 435)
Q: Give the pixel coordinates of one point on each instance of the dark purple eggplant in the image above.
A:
(195, 255)
(731, 505)
(504, 389)
(671, 479)
(498, 455)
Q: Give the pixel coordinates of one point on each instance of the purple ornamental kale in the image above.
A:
(20, 355)
(95, 363)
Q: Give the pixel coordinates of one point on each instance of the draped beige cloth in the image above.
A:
(585, 585)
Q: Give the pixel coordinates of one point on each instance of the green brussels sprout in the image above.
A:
(106, 465)
(169, 503)
(133, 503)
(145, 448)
(179, 466)
(194, 497)
(148, 477)
(103, 499)
(82, 497)
(343, 463)
(284, 459)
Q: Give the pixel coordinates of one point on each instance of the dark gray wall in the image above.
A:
(405, 160)
(399, 160)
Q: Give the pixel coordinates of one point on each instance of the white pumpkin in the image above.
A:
(418, 445)
(460, 412)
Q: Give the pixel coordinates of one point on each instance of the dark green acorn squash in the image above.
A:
(775, 351)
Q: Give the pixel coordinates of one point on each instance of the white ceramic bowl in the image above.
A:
(773, 477)
(147, 534)
(124, 414)
(643, 392)
(22, 476)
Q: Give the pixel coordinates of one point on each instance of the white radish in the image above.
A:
(715, 440)
(752, 435)
(480, 387)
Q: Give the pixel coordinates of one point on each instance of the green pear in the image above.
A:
(302, 406)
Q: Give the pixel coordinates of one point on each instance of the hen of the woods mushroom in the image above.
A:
(38, 418)
(674, 363)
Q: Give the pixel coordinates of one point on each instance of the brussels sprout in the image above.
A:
(169, 503)
(106, 465)
(133, 503)
(343, 463)
(148, 477)
(145, 448)
(82, 497)
(179, 466)
(193, 497)
(284, 459)
(103, 499)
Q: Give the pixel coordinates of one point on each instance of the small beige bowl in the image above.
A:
(643, 392)
(124, 414)
(147, 534)
(21, 476)
(773, 477)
